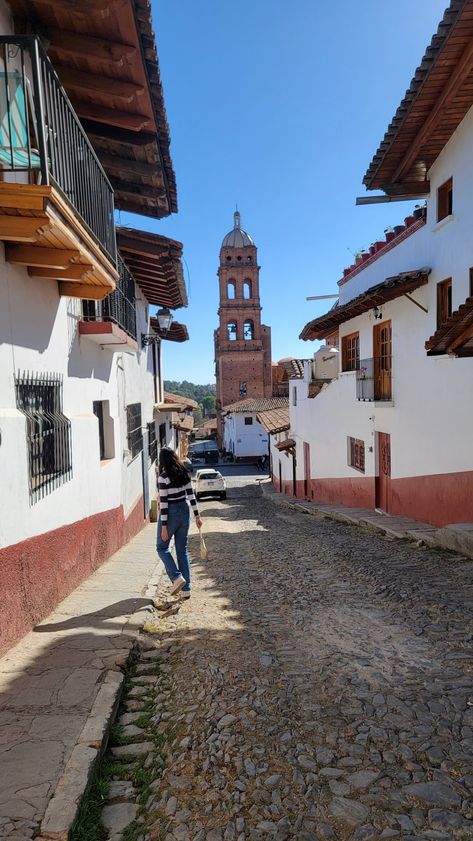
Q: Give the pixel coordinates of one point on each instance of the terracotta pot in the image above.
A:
(398, 229)
(390, 236)
(365, 255)
(409, 220)
(378, 246)
(419, 212)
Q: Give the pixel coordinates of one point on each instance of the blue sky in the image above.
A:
(279, 106)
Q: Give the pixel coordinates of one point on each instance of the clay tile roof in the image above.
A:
(438, 98)
(288, 444)
(293, 367)
(185, 424)
(257, 404)
(375, 296)
(274, 420)
(105, 54)
(455, 335)
(180, 400)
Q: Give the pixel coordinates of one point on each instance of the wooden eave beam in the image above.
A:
(23, 228)
(460, 74)
(144, 170)
(30, 255)
(76, 271)
(80, 7)
(64, 42)
(118, 135)
(100, 85)
(127, 245)
(84, 291)
(120, 119)
(137, 189)
(154, 209)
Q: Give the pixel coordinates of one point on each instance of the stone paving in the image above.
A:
(317, 686)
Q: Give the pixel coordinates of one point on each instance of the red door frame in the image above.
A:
(383, 478)
(306, 469)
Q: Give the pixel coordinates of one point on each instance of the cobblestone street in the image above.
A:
(318, 685)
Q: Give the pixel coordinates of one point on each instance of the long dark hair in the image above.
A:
(172, 466)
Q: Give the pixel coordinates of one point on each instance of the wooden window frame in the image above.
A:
(445, 200)
(351, 352)
(444, 301)
(356, 454)
(248, 421)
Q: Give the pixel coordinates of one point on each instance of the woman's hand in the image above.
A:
(164, 534)
(198, 522)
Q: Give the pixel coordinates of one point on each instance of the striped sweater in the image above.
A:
(169, 493)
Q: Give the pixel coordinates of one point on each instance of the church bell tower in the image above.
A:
(242, 343)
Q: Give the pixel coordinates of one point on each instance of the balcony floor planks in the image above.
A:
(58, 228)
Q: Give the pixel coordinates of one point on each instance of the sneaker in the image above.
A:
(178, 584)
(186, 594)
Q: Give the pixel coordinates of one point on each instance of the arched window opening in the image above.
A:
(231, 289)
(248, 331)
(232, 331)
(247, 289)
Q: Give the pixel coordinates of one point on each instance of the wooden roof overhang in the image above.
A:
(104, 52)
(455, 335)
(155, 263)
(437, 100)
(288, 444)
(275, 420)
(391, 288)
(176, 333)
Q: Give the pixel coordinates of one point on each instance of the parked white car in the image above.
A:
(208, 481)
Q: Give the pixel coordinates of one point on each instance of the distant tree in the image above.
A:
(208, 404)
(198, 416)
(187, 389)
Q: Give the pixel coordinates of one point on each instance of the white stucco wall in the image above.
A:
(430, 416)
(242, 440)
(39, 333)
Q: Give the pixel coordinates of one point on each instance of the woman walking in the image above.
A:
(175, 489)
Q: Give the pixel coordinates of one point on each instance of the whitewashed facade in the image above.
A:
(411, 454)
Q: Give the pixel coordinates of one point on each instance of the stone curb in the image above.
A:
(63, 807)
(456, 538)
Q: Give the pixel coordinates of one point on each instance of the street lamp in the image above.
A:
(165, 319)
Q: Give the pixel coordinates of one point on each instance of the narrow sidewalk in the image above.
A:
(59, 690)
(457, 537)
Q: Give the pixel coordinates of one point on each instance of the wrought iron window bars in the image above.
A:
(48, 432)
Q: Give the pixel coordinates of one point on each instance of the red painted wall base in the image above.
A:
(437, 500)
(38, 573)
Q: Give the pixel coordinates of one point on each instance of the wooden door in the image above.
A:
(306, 469)
(383, 479)
(382, 349)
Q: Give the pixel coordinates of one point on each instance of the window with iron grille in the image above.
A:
(48, 432)
(351, 352)
(152, 442)
(162, 434)
(135, 435)
(356, 454)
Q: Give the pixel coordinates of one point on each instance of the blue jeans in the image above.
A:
(178, 527)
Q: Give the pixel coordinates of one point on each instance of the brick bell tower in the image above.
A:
(242, 343)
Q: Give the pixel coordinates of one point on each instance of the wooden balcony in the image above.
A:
(56, 204)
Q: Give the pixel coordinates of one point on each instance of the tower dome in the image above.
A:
(238, 238)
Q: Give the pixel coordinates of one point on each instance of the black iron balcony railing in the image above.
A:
(374, 379)
(41, 134)
(118, 307)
